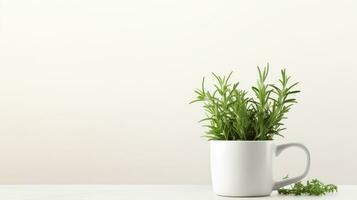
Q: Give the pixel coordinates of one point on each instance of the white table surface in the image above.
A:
(139, 192)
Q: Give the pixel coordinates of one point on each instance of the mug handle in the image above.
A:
(278, 150)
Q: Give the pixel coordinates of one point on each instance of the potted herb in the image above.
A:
(241, 130)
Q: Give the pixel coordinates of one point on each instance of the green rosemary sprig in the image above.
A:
(313, 187)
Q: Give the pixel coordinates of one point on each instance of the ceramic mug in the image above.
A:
(244, 168)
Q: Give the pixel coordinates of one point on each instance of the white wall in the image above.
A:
(98, 91)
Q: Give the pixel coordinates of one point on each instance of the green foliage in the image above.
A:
(313, 187)
(232, 115)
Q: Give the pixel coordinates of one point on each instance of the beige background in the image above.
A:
(98, 91)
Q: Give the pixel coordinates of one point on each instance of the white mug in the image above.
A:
(244, 168)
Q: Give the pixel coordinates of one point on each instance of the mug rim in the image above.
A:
(242, 141)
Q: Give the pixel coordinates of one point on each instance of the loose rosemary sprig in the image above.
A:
(313, 187)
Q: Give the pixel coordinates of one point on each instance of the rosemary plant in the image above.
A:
(232, 115)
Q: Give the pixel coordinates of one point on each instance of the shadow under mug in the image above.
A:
(244, 168)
